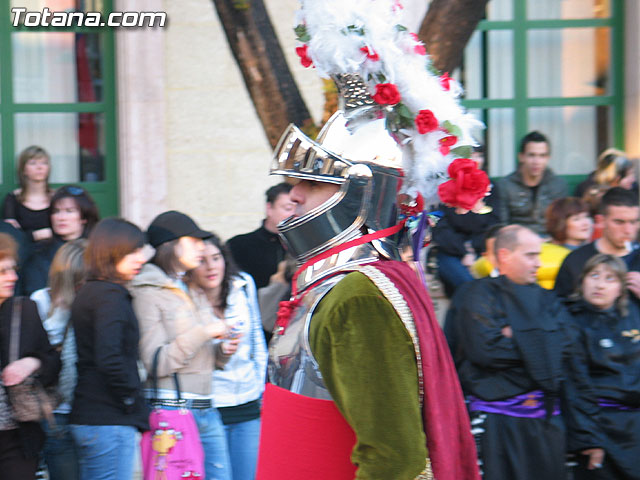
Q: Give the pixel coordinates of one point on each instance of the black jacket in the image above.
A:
(257, 253)
(453, 230)
(492, 366)
(108, 391)
(605, 361)
(34, 342)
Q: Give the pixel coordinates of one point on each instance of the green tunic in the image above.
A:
(368, 364)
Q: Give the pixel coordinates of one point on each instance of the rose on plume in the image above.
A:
(371, 54)
(446, 143)
(445, 81)
(419, 48)
(305, 60)
(426, 121)
(387, 94)
(467, 186)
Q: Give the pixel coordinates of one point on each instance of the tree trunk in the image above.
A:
(446, 29)
(263, 66)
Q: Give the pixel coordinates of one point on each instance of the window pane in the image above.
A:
(497, 48)
(567, 9)
(500, 10)
(576, 134)
(471, 76)
(60, 5)
(501, 141)
(571, 62)
(75, 142)
(54, 67)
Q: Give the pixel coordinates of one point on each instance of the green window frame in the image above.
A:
(104, 192)
(520, 25)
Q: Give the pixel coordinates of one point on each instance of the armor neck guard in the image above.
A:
(344, 260)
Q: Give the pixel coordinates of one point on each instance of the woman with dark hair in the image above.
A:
(603, 416)
(238, 388)
(20, 442)
(108, 404)
(27, 207)
(73, 215)
(179, 328)
(569, 226)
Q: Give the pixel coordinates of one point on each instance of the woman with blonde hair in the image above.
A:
(614, 169)
(54, 305)
(27, 208)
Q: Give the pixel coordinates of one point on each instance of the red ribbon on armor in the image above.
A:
(287, 307)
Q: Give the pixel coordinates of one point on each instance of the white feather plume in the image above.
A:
(335, 32)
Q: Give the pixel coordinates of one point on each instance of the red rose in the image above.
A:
(371, 54)
(445, 80)
(386, 94)
(304, 58)
(446, 143)
(426, 121)
(467, 186)
(419, 48)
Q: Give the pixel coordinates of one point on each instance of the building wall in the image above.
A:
(189, 136)
(632, 78)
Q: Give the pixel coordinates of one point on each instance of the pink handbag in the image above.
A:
(171, 449)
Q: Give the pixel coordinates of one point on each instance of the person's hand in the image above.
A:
(507, 332)
(217, 329)
(229, 347)
(18, 370)
(42, 234)
(14, 222)
(596, 456)
(468, 259)
(633, 283)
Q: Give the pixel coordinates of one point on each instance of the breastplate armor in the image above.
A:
(291, 362)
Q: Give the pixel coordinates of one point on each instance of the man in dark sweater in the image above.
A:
(619, 213)
(526, 193)
(259, 252)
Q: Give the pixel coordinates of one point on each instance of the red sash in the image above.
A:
(303, 438)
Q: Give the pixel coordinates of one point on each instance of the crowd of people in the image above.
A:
(543, 328)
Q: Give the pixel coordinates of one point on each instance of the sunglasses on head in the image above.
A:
(75, 191)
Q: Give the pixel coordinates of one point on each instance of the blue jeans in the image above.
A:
(452, 272)
(59, 450)
(105, 452)
(242, 441)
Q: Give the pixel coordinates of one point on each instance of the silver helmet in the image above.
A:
(355, 151)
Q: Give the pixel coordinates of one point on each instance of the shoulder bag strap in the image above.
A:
(16, 317)
(154, 376)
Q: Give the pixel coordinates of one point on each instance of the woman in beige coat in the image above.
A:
(181, 332)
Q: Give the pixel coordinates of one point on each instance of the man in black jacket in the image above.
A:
(259, 252)
(619, 214)
(508, 349)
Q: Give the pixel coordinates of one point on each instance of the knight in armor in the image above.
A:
(362, 382)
